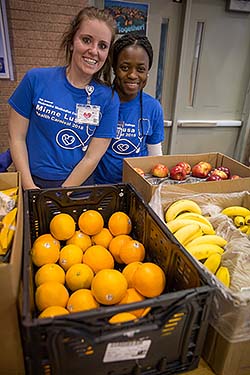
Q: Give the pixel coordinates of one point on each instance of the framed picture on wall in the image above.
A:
(238, 5)
(6, 70)
(129, 16)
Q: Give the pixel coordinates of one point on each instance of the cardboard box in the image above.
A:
(227, 344)
(225, 357)
(146, 189)
(11, 356)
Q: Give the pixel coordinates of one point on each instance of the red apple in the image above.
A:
(140, 171)
(234, 177)
(178, 173)
(221, 174)
(213, 177)
(201, 169)
(186, 166)
(225, 169)
(160, 170)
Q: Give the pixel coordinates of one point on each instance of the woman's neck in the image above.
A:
(124, 97)
(75, 80)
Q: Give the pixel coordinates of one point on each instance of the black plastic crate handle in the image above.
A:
(72, 327)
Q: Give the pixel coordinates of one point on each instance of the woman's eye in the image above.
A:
(124, 68)
(141, 70)
(103, 46)
(86, 40)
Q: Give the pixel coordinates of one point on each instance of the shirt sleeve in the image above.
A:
(157, 135)
(22, 98)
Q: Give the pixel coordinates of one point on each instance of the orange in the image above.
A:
(51, 293)
(47, 237)
(69, 255)
(62, 226)
(133, 296)
(109, 286)
(102, 238)
(80, 239)
(91, 222)
(115, 245)
(44, 251)
(51, 311)
(129, 271)
(145, 312)
(79, 276)
(149, 279)
(119, 223)
(49, 272)
(132, 251)
(122, 317)
(80, 300)
(98, 257)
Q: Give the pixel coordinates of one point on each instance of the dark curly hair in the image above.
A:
(90, 13)
(132, 39)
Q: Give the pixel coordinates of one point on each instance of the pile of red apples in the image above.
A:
(182, 170)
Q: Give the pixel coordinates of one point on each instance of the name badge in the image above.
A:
(87, 114)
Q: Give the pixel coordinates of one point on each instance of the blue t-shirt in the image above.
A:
(56, 141)
(135, 130)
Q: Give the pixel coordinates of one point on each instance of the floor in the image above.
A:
(203, 369)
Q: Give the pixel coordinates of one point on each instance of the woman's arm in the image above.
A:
(154, 150)
(88, 164)
(18, 127)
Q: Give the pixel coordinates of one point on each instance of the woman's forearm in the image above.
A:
(20, 160)
(18, 126)
(88, 164)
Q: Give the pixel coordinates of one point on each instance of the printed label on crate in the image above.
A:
(126, 350)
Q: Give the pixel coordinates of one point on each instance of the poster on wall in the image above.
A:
(129, 16)
(5, 56)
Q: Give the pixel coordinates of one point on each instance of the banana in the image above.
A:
(197, 217)
(223, 275)
(180, 206)
(213, 262)
(10, 236)
(184, 233)
(247, 220)
(239, 221)
(197, 234)
(243, 228)
(7, 222)
(177, 223)
(11, 233)
(203, 251)
(235, 211)
(209, 239)
(10, 192)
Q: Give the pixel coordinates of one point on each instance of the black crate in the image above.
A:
(168, 340)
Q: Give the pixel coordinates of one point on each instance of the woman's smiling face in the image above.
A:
(131, 72)
(90, 47)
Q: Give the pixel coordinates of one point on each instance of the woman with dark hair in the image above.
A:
(63, 118)
(140, 129)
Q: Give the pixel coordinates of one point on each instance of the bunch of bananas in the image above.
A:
(8, 199)
(240, 216)
(195, 232)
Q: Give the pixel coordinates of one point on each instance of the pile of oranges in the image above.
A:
(83, 265)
